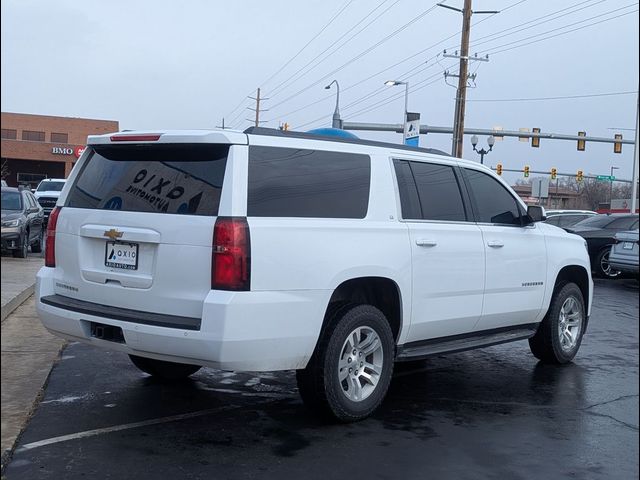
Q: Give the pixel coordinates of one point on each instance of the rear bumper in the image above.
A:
(242, 331)
(623, 264)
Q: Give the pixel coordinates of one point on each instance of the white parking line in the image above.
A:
(125, 426)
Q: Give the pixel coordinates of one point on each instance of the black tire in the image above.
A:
(603, 257)
(37, 246)
(546, 345)
(319, 384)
(23, 251)
(164, 370)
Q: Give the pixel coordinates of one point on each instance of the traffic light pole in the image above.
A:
(559, 174)
(425, 129)
(634, 186)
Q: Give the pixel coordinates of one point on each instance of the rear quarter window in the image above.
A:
(166, 178)
(287, 182)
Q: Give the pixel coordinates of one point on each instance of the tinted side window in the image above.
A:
(492, 202)
(288, 182)
(159, 178)
(409, 200)
(554, 220)
(439, 192)
(622, 223)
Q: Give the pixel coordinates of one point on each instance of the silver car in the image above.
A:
(624, 254)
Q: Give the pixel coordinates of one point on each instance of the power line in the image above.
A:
(493, 50)
(295, 77)
(564, 97)
(406, 59)
(331, 20)
(360, 55)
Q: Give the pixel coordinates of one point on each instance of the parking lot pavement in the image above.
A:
(491, 413)
(18, 280)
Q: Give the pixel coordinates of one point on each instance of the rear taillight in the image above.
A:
(50, 247)
(231, 256)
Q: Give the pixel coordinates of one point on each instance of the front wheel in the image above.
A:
(23, 251)
(37, 246)
(560, 334)
(350, 371)
(164, 370)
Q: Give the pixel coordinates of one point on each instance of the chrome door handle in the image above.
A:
(423, 242)
(495, 244)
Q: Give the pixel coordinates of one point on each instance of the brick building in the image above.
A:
(41, 146)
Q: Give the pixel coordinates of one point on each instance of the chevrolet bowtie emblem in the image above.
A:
(113, 234)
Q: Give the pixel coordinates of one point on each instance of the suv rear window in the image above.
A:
(288, 182)
(167, 178)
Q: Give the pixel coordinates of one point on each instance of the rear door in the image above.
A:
(136, 227)
(446, 249)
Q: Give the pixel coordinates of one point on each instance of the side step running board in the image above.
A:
(467, 341)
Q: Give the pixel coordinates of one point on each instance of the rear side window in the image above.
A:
(625, 223)
(177, 178)
(492, 202)
(436, 189)
(288, 182)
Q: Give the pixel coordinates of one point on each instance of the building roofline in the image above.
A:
(60, 117)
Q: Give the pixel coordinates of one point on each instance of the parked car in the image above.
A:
(599, 232)
(567, 218)
(47, 193)
(22, 222)
(625, 252)
(333, 257)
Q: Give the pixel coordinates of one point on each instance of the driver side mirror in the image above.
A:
(536, 213)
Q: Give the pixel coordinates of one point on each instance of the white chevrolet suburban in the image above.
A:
(270, 250)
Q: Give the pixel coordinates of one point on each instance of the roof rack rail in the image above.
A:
(273, 132)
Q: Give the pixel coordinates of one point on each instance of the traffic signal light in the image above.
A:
(526, 171)
(499, 169)
(579, 176)
(581, 143)
(554, 173)
(535, 141)
(617, 147)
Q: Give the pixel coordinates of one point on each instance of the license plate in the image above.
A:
(121, 255)
(627, 245)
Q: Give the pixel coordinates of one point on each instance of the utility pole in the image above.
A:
(258, 99)
(634, 186)
(461, 92)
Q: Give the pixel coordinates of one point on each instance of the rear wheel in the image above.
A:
(603, 267)
(560, 334)
(350, 371)
(164, 370)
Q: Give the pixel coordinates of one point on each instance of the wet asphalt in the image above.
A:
(494, 413)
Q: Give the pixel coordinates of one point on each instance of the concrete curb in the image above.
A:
(16, 301)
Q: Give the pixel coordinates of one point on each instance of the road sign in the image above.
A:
(412, 129)
(540, 187)
(605, 178)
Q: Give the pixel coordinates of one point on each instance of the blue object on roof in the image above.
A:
(333, 132)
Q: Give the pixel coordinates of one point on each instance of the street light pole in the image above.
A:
(336, 122)
(393, 83)
(482, 152)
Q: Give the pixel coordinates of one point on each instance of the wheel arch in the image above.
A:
(380, 292)
(578, 275)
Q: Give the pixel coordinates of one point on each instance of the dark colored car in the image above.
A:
(599, 232)
(567, 218)
(22, 222)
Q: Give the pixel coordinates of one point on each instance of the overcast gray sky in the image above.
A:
(169, 65)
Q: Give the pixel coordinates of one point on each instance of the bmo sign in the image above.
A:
(62, 150)
(76, 152)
